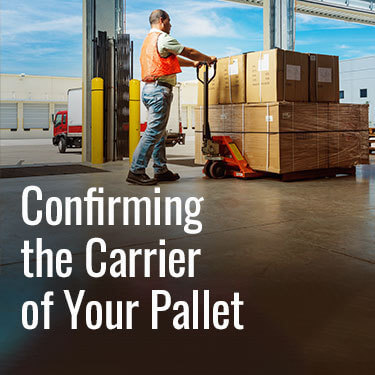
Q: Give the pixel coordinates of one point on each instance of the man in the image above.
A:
(159, 65)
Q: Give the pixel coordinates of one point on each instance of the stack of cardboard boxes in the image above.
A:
(281, 108)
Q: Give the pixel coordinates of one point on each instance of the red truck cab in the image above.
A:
(65, 135)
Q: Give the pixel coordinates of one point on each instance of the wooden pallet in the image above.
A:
(316, 173)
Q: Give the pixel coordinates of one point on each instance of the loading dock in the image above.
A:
(299, 254)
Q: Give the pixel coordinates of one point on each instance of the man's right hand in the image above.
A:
(212, 59)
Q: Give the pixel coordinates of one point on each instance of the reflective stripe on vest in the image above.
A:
(153, 65)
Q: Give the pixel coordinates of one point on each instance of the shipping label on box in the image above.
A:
(264, 63)
(233, 68)
(293, 72)
(325, 75)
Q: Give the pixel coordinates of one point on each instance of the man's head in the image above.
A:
(159, 19)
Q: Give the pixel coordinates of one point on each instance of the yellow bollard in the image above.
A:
(134, 116)
(97, 118)
(84, 126)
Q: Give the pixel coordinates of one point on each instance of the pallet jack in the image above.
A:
(223, 157)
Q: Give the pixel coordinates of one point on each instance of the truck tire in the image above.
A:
(62, 145)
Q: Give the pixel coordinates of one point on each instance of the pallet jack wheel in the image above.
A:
(206, 168)
(218, 169)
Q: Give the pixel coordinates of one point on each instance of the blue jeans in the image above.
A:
(157, 100)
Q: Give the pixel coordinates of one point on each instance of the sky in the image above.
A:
(44, 37)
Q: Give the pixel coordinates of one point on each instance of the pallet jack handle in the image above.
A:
(206, 81)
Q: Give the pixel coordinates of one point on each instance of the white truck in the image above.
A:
(67, 129)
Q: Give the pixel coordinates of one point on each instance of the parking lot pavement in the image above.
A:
(17, 152)
(23, 152)
(35, 152)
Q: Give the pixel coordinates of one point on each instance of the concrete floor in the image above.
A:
(19, 152)
(300, 254)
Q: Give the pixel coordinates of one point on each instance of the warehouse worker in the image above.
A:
(159, 66)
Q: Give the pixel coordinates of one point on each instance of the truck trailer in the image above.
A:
(67, 129)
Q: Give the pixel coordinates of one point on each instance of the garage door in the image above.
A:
(60, 107)
(8, 115)
(35, 116)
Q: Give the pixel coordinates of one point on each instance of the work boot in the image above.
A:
(166, 176)
(140, 179)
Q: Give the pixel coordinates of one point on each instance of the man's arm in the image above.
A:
(184, 62)
(195, 55)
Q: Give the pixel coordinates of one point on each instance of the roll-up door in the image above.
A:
(8, 115)
(35, 116)
(60, 107)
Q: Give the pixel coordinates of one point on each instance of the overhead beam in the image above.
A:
(336, 11)
(327, 9)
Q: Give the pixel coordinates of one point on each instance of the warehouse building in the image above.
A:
(28, 102)
(357, 83)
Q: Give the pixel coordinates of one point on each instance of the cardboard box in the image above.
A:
(348, 135)
(344, 116)
(232, 86)
(290, 137)
(277, 152)
(266, 117)
(286, 152)
(347, 149)
(286, 137)
(285, 117)
(324, 78)
(277, 75)
(229, 84)
(222, 118)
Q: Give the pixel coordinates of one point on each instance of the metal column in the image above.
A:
(122, 95)
(106, 16)
(110, 95)
(279, 24)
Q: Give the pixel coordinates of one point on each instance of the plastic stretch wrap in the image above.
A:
(288, 137)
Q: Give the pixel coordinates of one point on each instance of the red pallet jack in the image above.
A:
(224, 159)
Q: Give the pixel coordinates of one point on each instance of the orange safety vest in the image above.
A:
(153, 65)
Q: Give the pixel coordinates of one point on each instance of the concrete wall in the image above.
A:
(357, 74)
(23, 89)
